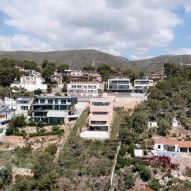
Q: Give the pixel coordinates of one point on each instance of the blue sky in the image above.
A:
(131, 28)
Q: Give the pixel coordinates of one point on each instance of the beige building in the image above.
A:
(101, 114)
(100, 118)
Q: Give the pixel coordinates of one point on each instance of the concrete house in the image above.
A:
(84, 89)
(30, 83)
(100, 118)
(23, 105)
(54, 109)
(119, 85)
(142, 84)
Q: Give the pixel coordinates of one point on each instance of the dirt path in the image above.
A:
(113, 168)
(67, 129)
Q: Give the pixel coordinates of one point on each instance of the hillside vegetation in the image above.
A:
(76, 58)
(169, 98)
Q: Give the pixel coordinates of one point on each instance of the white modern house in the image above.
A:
(30, 83)
(23, 105)
(10, 102)
(84, 89)
(119, 85)
(142, 84)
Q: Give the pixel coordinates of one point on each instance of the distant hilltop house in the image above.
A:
(156, 77)
(84, 89)
(30, 83)
(54, 109)
(119, 85)
(100, 118)
(76, 75)
(57, 78)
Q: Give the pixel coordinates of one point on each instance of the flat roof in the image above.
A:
(84, 82)
(94, 134)
(56, 97)
(119, 79)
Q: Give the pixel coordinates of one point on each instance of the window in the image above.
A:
(63, 107)
(73, 86)
(98, 122)
(56, 107)
(100, 103)
(78, 86)
(63, 101)
(100, 113)
(42, 100)
(24, 108)
(50, 100)
(159, 146)
(56, 100)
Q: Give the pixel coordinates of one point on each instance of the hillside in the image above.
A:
(76, 58)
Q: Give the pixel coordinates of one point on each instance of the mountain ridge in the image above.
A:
(76, 58)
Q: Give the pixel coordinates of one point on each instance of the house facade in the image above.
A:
(84, 89)
(6, 114)
(23, 105)
(100, 118)
(119, 85)
(53, 109)
(171, 146)
(142, 84)
(30, 83)
(101, 113)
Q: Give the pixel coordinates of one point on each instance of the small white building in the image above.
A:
(175, 123)
(141, 84)
(30, 83)
(152, 124)
(10, 102)
(20, 105)
(23, 105)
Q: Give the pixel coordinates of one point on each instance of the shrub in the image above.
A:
(154, 184)
(145, 174)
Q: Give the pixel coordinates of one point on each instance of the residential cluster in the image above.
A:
(82, 89)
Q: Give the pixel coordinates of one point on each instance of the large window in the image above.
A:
(63, 101)
(50, 101)
(42, 100)
(63, 107)
(100, 113)
(24, 107)
(98, 122)
(100, 103)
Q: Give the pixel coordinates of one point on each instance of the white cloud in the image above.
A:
(22, 42)
(180, 51)
(107, 25)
